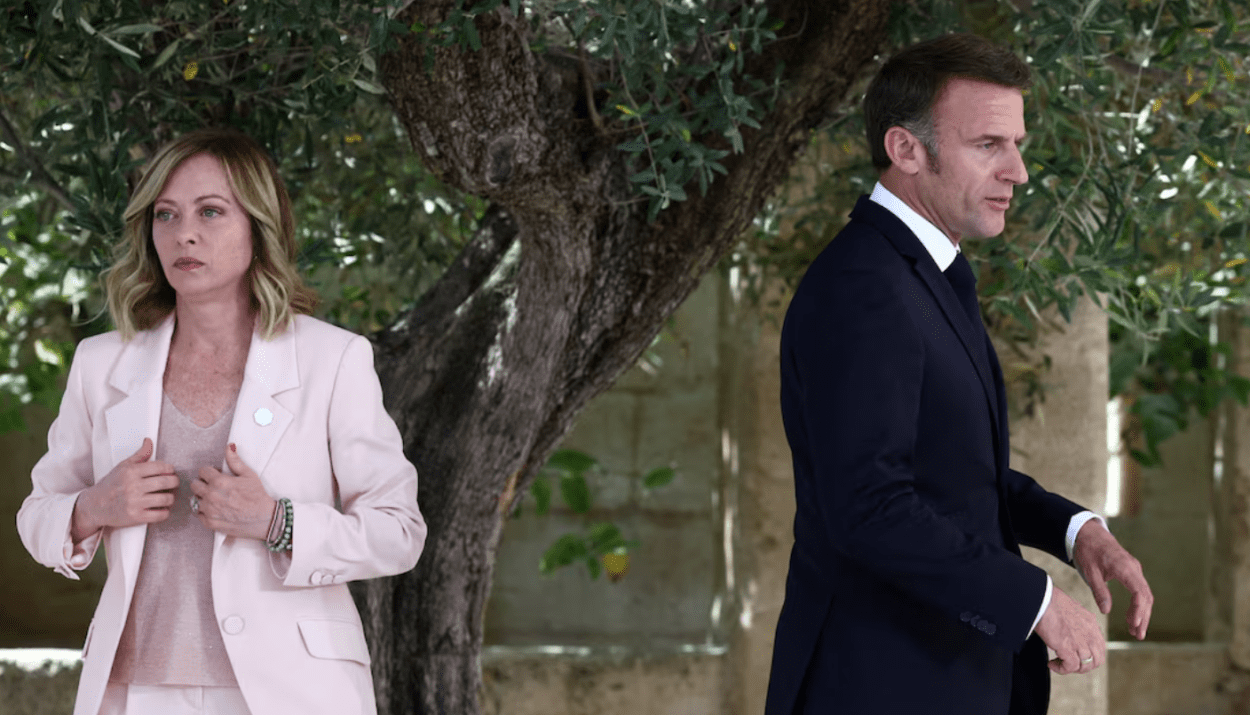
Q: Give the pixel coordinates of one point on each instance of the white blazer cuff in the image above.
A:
(77, 555)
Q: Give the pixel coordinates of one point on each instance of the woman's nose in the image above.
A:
(185, 233)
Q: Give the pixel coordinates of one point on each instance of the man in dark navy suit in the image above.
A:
(907, 592)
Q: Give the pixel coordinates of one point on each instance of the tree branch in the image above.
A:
(39, 175)
(1132, 69)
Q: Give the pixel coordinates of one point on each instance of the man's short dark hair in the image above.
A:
(904, 91)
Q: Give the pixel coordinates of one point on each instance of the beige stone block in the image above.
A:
(688, 349)
(1132, 677)
(1174, 553)
(681, 430)
(766, 521)
(665, 598)
(1168, 679)
(597, 685)
(1182, 485)
(607, 430)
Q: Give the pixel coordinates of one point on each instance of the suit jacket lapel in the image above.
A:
(138, 373)
(906, 243)
(259, 420)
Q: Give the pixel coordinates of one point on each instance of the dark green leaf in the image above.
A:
(605, 537)
(576, 492)
(470, 34)
(166, 53)
(659, 477)
(571, 461)
(541, 489)
(564, 551)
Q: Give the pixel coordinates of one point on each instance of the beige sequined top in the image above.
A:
(171, 635)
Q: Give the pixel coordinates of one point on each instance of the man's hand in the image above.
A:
(1100, 558)
(1073, 633)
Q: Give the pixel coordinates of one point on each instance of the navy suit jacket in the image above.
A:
(907, 592)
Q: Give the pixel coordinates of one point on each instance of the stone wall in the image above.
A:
(674, 592)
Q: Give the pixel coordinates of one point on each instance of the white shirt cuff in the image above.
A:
(1069, 543)
(1074, 528)
(1050, 588)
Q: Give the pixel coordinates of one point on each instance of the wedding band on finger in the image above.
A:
(195, 504)
(1086, 660)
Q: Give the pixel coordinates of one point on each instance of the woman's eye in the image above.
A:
(163, 215)
(210, 212)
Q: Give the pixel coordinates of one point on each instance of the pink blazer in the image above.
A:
(291, 629)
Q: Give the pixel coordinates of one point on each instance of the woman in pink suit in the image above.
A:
(233, 455)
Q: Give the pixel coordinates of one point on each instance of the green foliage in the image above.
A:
(674, 77)
(88, 90)
(658, 477)
(676, 86)
(596, 539)
(1139, 161)
(1185, 375)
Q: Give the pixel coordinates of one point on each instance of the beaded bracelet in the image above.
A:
(286, 520)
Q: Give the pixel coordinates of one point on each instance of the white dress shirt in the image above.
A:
(943, 252)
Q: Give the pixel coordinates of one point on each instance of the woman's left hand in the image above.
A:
(233, 505)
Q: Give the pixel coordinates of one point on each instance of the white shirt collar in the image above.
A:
(934, 241)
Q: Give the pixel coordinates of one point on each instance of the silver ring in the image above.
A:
(1086, 660)
(195, 504)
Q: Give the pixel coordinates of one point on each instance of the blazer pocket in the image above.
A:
(337, 640)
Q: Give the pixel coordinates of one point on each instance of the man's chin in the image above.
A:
(985, 232)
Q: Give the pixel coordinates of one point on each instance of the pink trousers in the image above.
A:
(123, 699)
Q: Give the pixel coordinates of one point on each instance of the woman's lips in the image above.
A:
(187, 264)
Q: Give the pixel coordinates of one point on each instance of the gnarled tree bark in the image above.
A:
(561, 290)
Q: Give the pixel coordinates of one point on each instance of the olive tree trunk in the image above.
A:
(560, 291)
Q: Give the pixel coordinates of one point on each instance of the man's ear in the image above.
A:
(905, 150)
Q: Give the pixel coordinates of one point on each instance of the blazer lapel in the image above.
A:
(973, 345)
(138, 373)
(906, 243)
(259, 420)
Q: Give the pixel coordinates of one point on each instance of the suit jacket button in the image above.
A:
(965, 616)
(233, 625)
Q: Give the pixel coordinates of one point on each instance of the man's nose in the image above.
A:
(1016, 172)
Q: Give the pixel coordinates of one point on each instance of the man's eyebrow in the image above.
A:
(999, 138)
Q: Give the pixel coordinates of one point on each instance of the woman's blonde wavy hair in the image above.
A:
(139, 295)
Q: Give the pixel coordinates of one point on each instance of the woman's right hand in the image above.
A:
(135, 492)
